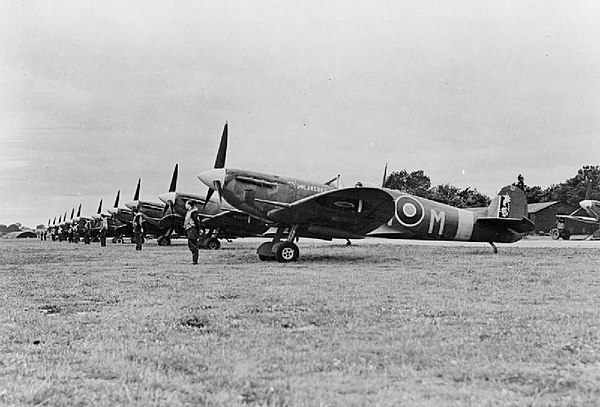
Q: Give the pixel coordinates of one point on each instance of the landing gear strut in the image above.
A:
(284, 252)
(494, 247)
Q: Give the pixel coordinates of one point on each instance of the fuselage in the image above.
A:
(414, 217)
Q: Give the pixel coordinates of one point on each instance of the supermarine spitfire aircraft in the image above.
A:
(589, 207)
(153, 213)
(219, 221)
(308, 209)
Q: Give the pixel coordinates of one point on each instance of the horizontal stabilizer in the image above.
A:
(522, 225)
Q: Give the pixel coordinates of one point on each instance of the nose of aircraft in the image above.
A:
(167, 196)
(586, 204)
(208, 177)
(131, 204)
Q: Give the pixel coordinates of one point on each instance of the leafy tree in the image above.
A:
(415, 183)
(40, 227)
(3, 229)
(15, 227)
(465, 198)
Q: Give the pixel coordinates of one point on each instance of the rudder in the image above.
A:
(510, 202)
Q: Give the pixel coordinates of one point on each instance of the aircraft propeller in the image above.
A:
(169, 202)
(219, 163)
(384, 176)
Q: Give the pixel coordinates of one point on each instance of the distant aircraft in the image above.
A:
(307, 209)
(122, 217)
(153, 213)
(219, 220)
(589, 207)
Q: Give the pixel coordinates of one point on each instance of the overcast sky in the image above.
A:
(94, 94)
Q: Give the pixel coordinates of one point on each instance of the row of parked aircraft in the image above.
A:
(254, 204)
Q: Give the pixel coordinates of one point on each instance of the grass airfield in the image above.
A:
(376, 323)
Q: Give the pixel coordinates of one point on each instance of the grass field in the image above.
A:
(371, 324)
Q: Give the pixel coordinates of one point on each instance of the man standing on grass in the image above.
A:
(191, 224)
(138, 228)
(103, 230)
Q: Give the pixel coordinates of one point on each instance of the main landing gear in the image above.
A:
(210, 241)
(282, 251)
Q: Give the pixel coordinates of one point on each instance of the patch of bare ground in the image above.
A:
(370, 324)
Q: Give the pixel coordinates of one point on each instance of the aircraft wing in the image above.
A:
(347, 213)
(234, 223)
(583, 219)
(522, 225)
(171, 221)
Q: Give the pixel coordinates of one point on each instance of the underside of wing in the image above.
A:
(583, 219)
(171, 221)
(522, 225)
(345, 213)
(235, 224)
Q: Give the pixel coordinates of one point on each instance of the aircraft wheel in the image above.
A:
(164, 241)
(554, 234)
(566, 236)
(286, 252)
(212, 244)
(118, 240)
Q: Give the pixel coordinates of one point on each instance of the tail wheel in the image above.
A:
(555, 234)
(287, 252)
(119, 240)
(212, 244)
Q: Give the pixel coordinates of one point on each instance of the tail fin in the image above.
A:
(510, 202)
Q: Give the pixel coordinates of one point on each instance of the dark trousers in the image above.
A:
(138, 237)
(193, 235)
(103, 238)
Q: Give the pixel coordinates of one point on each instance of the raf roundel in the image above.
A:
(409, 211)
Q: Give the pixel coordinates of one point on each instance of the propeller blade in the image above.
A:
(219, 189)
(117, 199)
(222, 153)
(79, 211)
(173, 186)
(168, 208)
(209, 194)
(136, 196)
(72, 213)
(384, 176)
(54, 221)
(99, 207)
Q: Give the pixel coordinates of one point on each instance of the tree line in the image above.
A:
(584, 185)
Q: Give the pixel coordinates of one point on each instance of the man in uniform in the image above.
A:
(87, 232)
(103, 230)
(138, 228)
(191, 225)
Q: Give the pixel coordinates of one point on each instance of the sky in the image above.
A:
(96, 94)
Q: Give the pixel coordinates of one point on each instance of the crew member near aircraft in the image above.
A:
(138, 228)
(87, 232)
(191, 225)
(103, 231)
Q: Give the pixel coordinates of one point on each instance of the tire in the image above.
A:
(566, 236)
(118, 240)
(164, 241)
(212, 244)
(555, 234)
(287, 252)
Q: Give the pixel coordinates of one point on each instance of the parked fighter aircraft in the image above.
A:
(588, 207)
(309, 209)
(219, 221)
(122, 217)
(153, 213)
